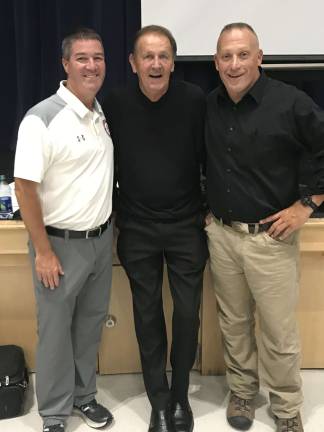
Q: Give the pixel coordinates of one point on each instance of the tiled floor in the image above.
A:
(125, 396)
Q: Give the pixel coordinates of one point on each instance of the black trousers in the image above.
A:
(143, 246)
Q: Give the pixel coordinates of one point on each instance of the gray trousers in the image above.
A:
(70, 320)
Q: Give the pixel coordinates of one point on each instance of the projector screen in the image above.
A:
(284, 27)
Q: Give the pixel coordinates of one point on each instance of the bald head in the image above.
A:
(238, 26)
(237, 59)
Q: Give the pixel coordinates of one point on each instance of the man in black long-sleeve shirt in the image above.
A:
(157, 130)
(256, 129)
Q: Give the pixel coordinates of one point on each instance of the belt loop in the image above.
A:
(255, 228)
(66, 235)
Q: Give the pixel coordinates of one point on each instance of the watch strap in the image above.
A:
(308, 202)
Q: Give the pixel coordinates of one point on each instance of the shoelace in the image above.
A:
(242, 404)
(46, 429)
(87, 406)
(290, 425)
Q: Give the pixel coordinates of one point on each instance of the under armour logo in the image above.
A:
(80, 137)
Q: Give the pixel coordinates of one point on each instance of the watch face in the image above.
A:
(307, 201)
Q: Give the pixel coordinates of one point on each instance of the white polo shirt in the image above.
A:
(67, 149)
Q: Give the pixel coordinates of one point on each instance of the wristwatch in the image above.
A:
(308, 202)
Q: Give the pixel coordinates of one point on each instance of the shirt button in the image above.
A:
(228, 170)
(230, 211)
(229, 149)
(228, 190)
(231, 128)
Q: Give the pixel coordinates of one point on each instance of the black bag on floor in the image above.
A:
(13, 381)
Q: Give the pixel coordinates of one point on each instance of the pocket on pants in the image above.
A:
(290, 241)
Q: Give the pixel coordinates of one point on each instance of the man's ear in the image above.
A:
(216, 61)
(260, 57)
(65, 64)
(132, 62)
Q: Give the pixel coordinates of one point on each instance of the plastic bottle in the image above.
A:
(5, 196)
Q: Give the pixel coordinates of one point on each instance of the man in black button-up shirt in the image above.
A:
(256, 130)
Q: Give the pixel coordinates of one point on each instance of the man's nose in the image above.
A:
(156, 62)
(91, 64)
(235, 62)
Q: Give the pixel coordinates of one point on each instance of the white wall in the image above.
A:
(284, 27)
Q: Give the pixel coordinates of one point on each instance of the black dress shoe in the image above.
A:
(182, 418)
(161, 421)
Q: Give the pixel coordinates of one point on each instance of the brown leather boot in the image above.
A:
(240, 413)
(290, 425)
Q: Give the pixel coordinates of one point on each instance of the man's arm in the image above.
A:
(290, 219)
(47, 265)
(309, 119)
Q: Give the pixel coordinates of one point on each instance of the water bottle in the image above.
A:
(5, 196)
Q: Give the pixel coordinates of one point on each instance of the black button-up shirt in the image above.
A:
(254, 149)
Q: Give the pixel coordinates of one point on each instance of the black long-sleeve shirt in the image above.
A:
(254, 149)
(159, 149)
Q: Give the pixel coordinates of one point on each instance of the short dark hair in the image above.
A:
(237, 25)
(82, 33)
(159, 30)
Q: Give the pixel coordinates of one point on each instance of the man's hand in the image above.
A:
(48, 269)
(208, 219)
(288, 220)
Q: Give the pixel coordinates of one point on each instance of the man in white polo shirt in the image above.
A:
(64, 180)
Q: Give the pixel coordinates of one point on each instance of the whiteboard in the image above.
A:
(284, 27)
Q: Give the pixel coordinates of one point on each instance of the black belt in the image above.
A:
(252, 228)
(65, 233)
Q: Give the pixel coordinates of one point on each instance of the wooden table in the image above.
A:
(118, 351)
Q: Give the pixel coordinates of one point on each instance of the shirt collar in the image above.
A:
(75, 102)
(256, 91)
(160, 101)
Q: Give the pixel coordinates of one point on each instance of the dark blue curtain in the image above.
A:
(32, 31)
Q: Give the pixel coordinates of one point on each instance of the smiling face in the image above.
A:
(237, 60)
(153, 62)
(85, 69)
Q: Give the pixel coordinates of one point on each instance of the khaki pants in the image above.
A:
(255, 272)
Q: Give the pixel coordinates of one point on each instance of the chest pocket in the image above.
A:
(267, 141)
